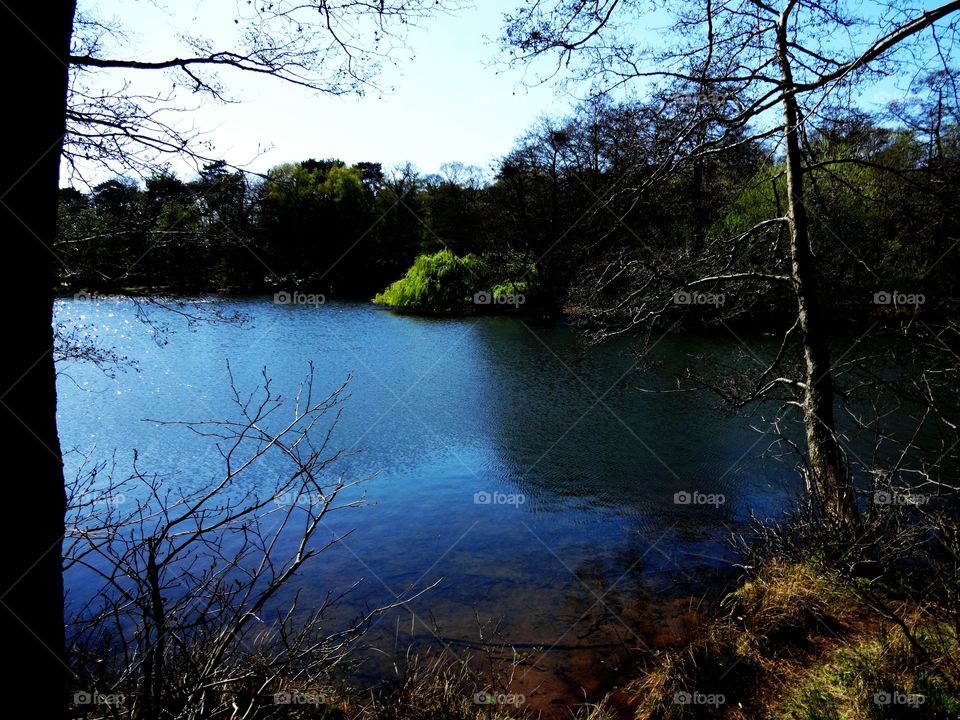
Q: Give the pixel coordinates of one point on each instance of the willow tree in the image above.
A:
(750, 71)
(69, 96)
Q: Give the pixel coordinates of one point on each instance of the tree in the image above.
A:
(183, 615)
(434, 283)
(312, 214)
(333, 48)
(32, 587)
(399, 234)
(320, 46)
(754, 58)
(534, 172)
(225, 198)
(451, 210)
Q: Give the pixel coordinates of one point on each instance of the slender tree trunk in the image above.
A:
(154, 670)
(828, 480)
(699, 214)
(37, 37)
(549, 265)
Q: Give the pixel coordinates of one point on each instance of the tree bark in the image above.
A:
(828, 477)
(37, 36)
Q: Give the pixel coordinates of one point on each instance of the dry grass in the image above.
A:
(878, 676)
(797, 643)
(700, 668)
(443, 687)
(784, 606)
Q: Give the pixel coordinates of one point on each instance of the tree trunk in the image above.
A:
(37, 37)
(828, 479)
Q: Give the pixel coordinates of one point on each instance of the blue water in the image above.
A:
(442, 409)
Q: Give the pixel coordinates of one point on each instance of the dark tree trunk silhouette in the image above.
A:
(828, 476)
(115, 129)
(38, 35)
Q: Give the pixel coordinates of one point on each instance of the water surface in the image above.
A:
(587, 550)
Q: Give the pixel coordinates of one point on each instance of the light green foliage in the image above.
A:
(438, 282)
(510, 288)
(291, 184)
(344, 185)
(878, 207)
(845, 684)
(178, 218)
(755, 203)
(444, 281)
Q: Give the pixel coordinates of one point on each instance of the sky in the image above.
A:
(448, 102)
(447, 98)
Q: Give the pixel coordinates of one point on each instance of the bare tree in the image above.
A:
(118, 121)
(755, 59)
(315, 44)
(186, 619)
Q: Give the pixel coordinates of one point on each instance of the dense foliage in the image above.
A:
(582, 213)
(440, 281)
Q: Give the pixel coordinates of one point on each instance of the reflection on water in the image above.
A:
(520, 468)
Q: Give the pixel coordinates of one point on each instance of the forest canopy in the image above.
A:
(882, 220)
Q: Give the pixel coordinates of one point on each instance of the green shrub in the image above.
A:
(438, 282)
(444, 281)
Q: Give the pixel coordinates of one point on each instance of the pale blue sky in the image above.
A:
(447, 104)
(448, 101)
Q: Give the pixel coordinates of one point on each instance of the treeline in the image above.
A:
(584, 213)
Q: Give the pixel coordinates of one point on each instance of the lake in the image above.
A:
(535, 477)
